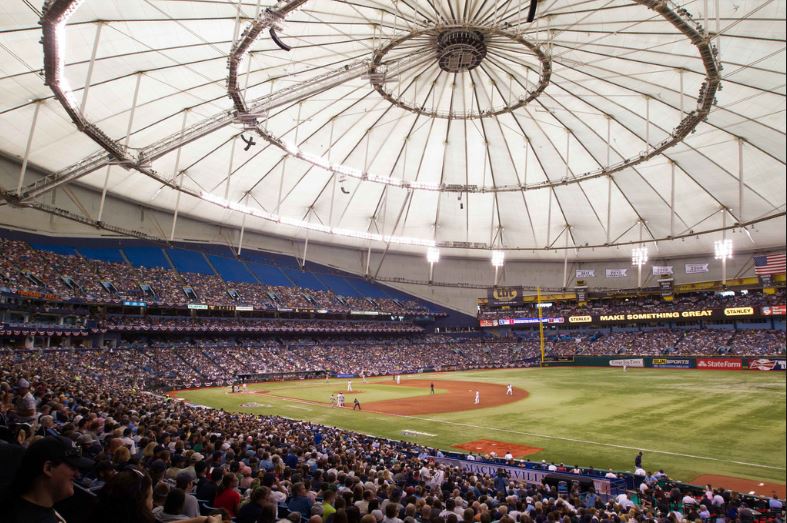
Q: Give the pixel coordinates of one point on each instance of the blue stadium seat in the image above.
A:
(189, 261)
(148, 257)
(304, 279)
(269, 274)
(57, 249)
(102, 253)
(231, 269)
(339, 285)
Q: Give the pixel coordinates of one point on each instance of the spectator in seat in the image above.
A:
(209, 487)
(252, 511)
(126, 498)
(45, 476)
(228, 496)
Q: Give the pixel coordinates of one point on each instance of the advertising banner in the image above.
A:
(530, 476)
(739, 311)
(580, 319)
(242, 308)
(658, 270)
(586, 273)
(525, 321)
(665, 286)
(198, 306)
(719, 363)
(774, 310)
(488, 323)
(504, 295)
(631, 362)
(767, 364)
(617, 273)
(697, 268)
(671, 363)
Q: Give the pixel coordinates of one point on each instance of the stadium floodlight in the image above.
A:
(498, 258)
(723, 249)
(639, 256)
(432, 256)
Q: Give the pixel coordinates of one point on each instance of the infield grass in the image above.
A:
(687, 422)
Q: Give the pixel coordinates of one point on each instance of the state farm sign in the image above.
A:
(720, 363)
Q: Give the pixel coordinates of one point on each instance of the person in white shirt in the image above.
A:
(610, 474)
(508, 455)
(624, 501)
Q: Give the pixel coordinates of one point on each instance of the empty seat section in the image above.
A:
(304, 279)
(285, 261)
(269, 274)
(102, 253)
(231, 269)
(146, 257)
(367, 289)
(189, 261)
(57, 249)
(264, 258)
(339, 285)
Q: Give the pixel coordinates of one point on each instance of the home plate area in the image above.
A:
(500, 448)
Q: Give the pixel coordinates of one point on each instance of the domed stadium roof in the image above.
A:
(411, 123)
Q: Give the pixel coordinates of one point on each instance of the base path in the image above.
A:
(452, 396)
(742, 485)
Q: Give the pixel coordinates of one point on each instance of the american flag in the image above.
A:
(770, 264)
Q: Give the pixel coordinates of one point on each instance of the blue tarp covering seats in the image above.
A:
(146, 257)
(189, 261)
(231, 269)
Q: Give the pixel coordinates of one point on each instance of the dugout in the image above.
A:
(553, 480)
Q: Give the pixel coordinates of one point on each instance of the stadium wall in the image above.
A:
(458, 281)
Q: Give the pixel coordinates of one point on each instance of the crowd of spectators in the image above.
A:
(644, 304)
(212, 362)
(146, 458)
(183, 325)
(658, 342)
(71, 277)
(198, 360)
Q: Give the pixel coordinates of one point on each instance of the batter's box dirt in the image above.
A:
(500, 448)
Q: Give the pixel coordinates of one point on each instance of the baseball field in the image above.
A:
(721, 426)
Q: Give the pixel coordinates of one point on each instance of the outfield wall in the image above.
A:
(674, 362)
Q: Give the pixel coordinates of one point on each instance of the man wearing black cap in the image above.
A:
(45, 477)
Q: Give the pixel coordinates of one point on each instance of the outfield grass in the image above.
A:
(686, 422)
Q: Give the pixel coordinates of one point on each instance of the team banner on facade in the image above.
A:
(659, 270)
(697, 268)
(617, 273)
(586, 273)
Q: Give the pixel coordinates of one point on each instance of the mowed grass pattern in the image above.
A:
(687, 422)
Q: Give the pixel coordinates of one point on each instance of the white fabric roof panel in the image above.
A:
(511, 180)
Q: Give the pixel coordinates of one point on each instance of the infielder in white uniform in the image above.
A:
(477, 397)
(349, 385)
(509, 390)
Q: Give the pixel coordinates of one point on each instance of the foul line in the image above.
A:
(545, 436)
